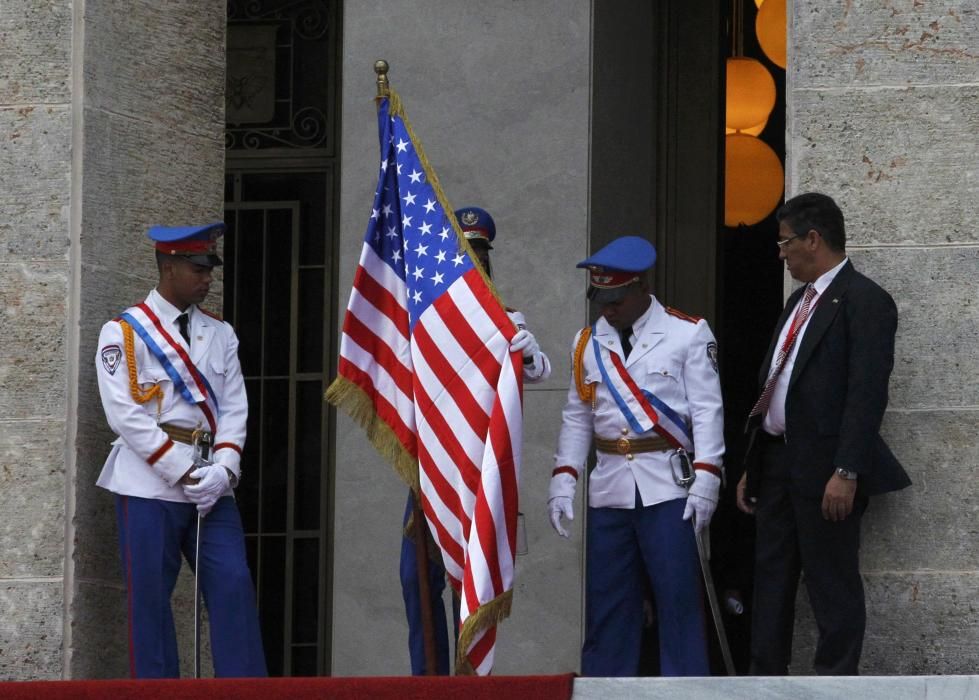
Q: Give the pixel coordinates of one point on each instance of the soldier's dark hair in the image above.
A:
(161, 258)
(815, 211)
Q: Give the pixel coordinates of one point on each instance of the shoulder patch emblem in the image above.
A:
(111, 354)
(679, 314)
(712, 354)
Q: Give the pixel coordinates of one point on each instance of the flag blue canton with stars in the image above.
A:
(409, 229)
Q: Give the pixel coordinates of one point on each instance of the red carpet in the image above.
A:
(492, 688)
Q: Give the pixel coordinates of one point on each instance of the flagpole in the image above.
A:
(419, 528)
(420, 532)
(381, 68)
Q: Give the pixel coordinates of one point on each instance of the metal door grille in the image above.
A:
(269, 292)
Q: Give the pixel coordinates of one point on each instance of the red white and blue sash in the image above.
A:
(187, 380)
(643, 410)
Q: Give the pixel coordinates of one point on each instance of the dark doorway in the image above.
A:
(657, 169)
(279, 293)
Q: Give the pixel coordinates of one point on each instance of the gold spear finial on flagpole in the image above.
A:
(381, 68)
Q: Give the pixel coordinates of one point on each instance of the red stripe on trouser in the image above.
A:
(129, 589)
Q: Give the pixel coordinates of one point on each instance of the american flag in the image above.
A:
(425, 367)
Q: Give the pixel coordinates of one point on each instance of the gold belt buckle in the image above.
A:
(623, 446)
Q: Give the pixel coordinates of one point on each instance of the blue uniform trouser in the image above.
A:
(624, 545)
(413, 609)
(153, 535)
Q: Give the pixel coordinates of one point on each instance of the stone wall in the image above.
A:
(111, 118)
(35, 279)
(883, 115)
(498, 94)
(152, 152)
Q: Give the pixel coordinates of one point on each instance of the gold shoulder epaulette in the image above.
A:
(586, 392)
(679, 314)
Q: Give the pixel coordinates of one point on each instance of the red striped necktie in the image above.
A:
(761, 406)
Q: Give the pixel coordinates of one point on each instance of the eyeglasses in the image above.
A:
(781, 243)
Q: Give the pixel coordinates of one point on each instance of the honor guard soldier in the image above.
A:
(480, 230)
(173, 393)
(646, 392)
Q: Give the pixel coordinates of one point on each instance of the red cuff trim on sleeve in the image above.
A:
(155, 457)
(565, 470)
(703, 466)
(229, 445)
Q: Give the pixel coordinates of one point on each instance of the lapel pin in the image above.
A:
(836, 301)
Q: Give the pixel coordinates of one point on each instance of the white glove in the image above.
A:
(702, 499)
(558, 506)
(213, 484)
(560, 497)
(525, 343)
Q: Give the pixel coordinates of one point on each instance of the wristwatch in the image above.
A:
(846, 474)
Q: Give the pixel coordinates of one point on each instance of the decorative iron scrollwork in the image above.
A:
(272, 99)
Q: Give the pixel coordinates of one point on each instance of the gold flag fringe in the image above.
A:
(344, 394)
(488, 615)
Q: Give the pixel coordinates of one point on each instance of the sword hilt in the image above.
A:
(202, 441)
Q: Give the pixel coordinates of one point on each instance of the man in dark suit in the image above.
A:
(815, 453)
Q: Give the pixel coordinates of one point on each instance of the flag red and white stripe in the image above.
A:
(426, 342)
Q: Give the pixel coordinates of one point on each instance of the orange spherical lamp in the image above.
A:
(750, 93)
(771, 32)
(753, 179)
(751, 130)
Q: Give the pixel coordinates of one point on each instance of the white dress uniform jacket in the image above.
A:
(674, 358)
(214, 350)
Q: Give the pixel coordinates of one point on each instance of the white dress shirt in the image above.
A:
(774, 423)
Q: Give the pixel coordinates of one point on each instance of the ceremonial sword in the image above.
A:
(684, 479)
(715, 608)
(202, 448)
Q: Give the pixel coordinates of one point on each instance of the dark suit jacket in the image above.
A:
(838, 390)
